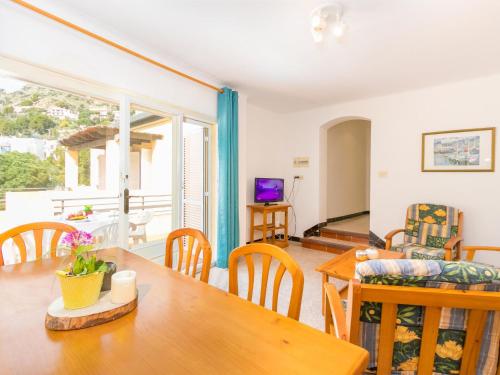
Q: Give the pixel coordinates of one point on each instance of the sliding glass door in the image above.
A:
(168, 163)
(126, 173)
(150, 180)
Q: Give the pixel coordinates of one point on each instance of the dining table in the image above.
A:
(180, 326)
(90, 223)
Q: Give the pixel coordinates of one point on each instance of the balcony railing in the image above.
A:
(157, 203)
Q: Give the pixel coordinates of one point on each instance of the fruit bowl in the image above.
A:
(80, 215)
(77, 218)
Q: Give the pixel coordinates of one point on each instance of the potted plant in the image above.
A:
(81, 280)
(87, 210)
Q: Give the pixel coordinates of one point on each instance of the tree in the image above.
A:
(7, 126)
(84, 167)
(84, 117)
(55, 166)
(27, 103)
(8, 110)
(63, 104)
(32, 123)
(35, 97)
(23, 170)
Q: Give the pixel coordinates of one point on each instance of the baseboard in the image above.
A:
(314, 231)
(376, 241)
(345, 217)
(278, 237)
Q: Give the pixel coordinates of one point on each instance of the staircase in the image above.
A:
(335, 240)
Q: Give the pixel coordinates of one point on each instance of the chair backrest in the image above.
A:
(19, 233)
(141, 217)
(202, 247)
(432, 225)
(426, 316)
(286, 263)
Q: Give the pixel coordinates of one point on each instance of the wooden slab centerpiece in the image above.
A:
(60, 319)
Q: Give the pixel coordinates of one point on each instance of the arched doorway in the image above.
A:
(344, 168)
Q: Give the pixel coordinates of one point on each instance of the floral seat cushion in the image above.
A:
(409, 323)
(415, 251)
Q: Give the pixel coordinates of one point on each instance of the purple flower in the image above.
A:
(77, 238)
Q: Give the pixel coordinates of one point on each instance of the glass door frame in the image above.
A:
(178, 119)
(123, 184)
(126, 105)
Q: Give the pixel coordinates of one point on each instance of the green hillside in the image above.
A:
(24, 112)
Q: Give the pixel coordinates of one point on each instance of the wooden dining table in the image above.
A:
(181, 326)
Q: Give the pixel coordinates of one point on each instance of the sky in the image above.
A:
(10, 84)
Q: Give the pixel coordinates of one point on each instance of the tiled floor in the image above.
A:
(307, 259)
(311, 299)
(154, 251)
(359, 224)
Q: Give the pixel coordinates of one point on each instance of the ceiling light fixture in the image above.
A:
(319, 21)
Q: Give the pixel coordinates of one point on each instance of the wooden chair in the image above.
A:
(335, 318)
(287, 263)
(38, 229)
(471, 251)
(423, 219)
(202, 246)
(347, 326)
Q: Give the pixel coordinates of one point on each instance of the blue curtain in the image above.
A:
(228, 233)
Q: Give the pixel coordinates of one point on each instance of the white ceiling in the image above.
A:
(264, 47)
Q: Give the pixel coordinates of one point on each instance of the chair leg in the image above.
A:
(447, 254)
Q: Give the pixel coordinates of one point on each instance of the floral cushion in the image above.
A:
(409, 323)
(430, 225)
(415, 251)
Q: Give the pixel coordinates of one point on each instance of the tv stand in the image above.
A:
(265, 227)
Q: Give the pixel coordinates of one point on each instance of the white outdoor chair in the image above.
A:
(138, 223)
(106, 236)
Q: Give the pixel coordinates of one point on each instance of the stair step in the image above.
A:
(327, 244)
(344, 235)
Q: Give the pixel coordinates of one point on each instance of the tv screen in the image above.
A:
(269, 190)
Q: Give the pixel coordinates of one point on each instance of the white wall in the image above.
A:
(266, 141)
(348, 168)
(397, 123)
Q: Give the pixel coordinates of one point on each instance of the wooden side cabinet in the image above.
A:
(271, 226)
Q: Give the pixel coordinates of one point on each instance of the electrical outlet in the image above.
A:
(298, 177)
(301, 162)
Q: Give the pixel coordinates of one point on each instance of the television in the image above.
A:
(269, 190)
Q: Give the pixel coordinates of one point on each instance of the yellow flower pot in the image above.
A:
(80, 291)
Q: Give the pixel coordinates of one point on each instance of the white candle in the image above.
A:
(123, 288)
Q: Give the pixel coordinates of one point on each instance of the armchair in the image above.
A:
(421, 316)
(432, 232)
(470, 251)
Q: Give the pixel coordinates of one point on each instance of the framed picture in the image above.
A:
(466, 150)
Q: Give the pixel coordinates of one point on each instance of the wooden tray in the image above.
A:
(60, 319)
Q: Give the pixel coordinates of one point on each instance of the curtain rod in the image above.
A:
(113, 44)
